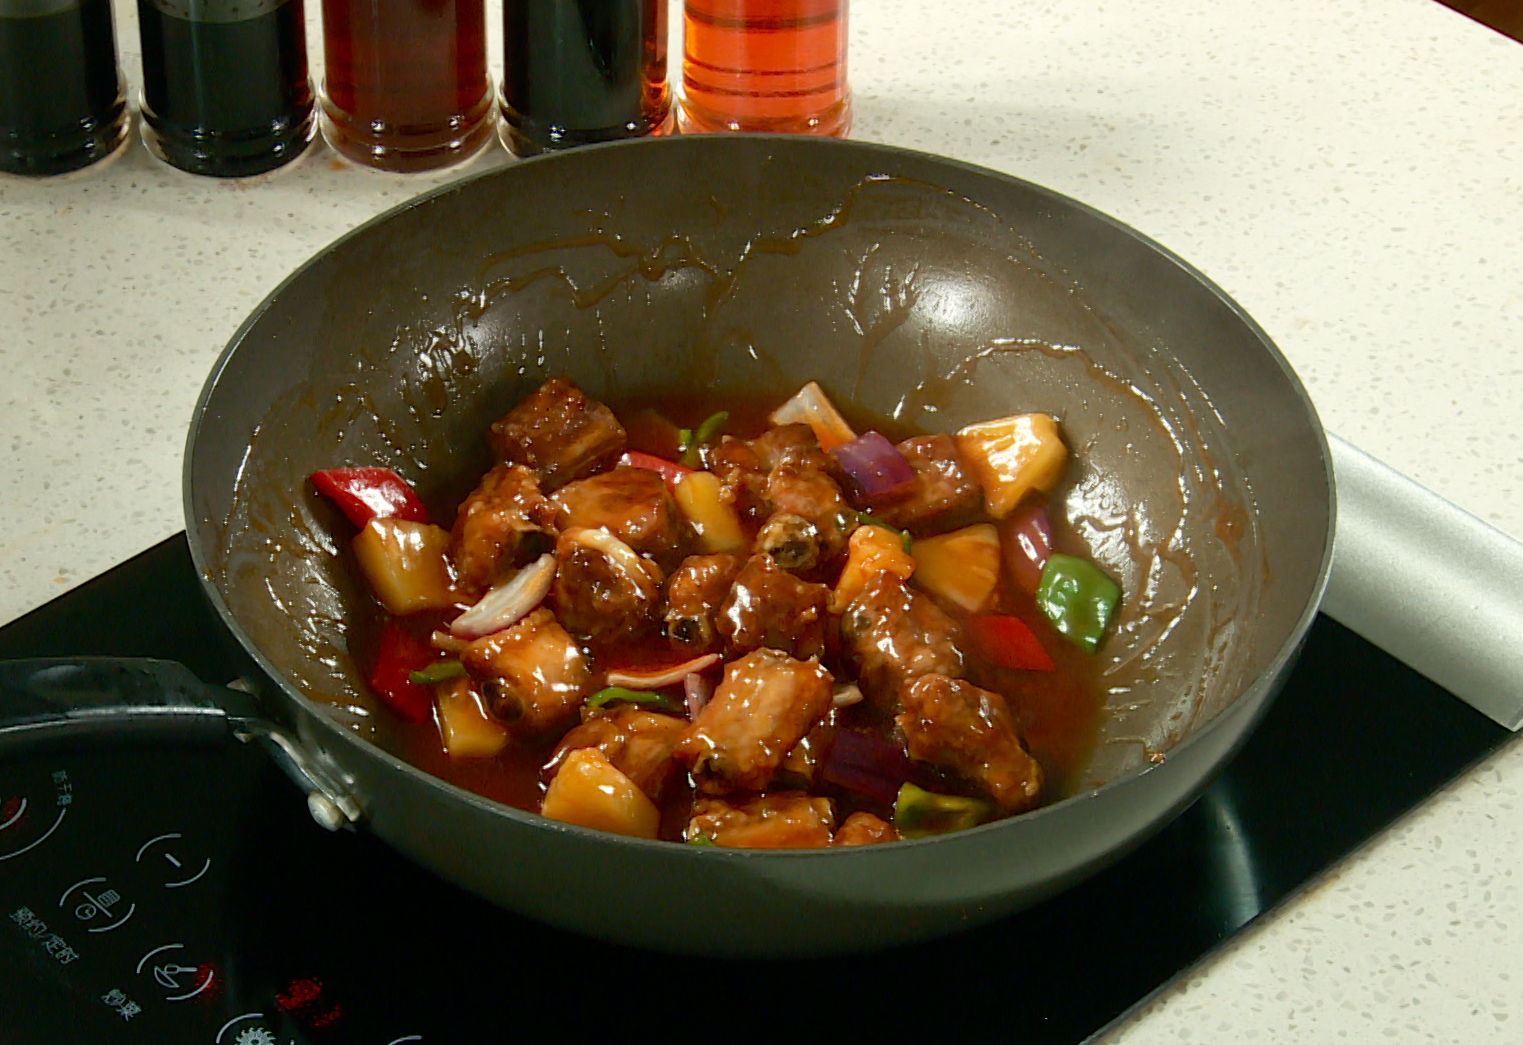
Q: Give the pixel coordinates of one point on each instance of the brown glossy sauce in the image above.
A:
(1058, 712)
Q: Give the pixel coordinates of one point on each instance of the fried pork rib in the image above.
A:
(762, 709)
(694, 592)
(742, 478)
(603, 589)
(533, 674)
(954, 724)
(782, 820)
(633, 504)
(785, 480)
(768, 606)
(491, 525)
(559, 433)
(810, 519)
(639, 743)
(864, 829)
(894, 635)
(943, 496)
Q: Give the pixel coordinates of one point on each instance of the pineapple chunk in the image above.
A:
(714, 522)
(960, 567)
(406, 564)
(465, 727)
(1013, 456)
(870, 551)
(589, 790)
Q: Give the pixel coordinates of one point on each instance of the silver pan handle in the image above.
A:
(127, 697)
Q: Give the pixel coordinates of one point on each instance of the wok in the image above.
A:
(919, 291)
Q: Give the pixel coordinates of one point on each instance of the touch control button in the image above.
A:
(180, 870)
(95, 901)
(26, 822)
(248, 1034)
(178, 981)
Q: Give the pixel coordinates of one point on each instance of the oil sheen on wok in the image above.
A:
(735, 624)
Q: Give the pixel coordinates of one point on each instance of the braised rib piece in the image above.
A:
(559, 433)
(742, 476)
(603, 589)
(764, 706)
(956, 725)
(785, 480)
(491, 525)
(943, 496)
(894, 635)
(864, 829)
(809, 520)
(638, 742)
(768, 606)
(694, 592)
(633, 504)
(782, 820)
(533, 675)
(803, 762)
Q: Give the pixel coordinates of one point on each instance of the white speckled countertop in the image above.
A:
(1351, 173)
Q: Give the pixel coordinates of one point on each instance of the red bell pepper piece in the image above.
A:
(1007, 642)
(401, 653)
(370, 493)
(670, 471)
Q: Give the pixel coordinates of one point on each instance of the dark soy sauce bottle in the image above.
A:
(62, 105)
(225, 85)
(580, 71)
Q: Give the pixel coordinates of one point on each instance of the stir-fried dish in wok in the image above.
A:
(769, 635)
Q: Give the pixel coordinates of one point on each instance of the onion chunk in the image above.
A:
(874, 465)
(666, 676)
(509, 602)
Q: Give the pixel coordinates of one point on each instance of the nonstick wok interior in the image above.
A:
(913, 288)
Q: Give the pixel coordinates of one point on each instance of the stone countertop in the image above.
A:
(1351, 173)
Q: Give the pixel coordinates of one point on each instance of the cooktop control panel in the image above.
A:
(131, 897)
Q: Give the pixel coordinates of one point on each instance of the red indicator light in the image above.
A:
(328, 1018)
(303, 999)
(206, 981)
(299, 994)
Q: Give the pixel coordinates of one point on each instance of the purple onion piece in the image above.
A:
(1026, 538)
(873, 465)
(697, 690)
(867, 765)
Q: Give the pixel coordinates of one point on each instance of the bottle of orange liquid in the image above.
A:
(765, 65)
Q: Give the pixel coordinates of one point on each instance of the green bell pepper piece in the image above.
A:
(632, 696)
(1077, 598)
(439, 671)
(919, 813)
(688, 441)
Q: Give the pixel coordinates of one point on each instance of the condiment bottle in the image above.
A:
(405, 88)
(225, 86)
(580, 71)
(765, 65)
(62, 104)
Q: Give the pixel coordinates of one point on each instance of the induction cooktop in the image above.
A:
(169, 889)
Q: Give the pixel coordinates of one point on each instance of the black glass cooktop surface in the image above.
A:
(174, 890)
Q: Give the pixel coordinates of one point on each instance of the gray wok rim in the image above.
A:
(1274, 669)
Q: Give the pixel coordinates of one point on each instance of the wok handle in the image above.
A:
(122, 698)
(120, 695)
